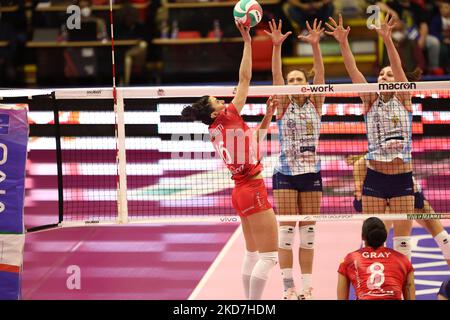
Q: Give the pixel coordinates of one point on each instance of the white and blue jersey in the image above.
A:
(389, 131)
(299, 131)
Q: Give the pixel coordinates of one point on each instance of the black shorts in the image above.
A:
(444, 290)
(419, 199)
(302, 182)
(387, 186)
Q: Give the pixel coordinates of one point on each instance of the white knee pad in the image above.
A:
(286, 237)
(250, 259)
(403, 245)
(443, 241)
(267, 260)
(307, 234)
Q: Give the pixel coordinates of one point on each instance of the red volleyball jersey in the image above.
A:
(376, 274)
(235, 143)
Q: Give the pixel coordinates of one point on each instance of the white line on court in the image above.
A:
(215, 264)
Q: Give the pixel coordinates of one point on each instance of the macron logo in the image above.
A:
(397, 86)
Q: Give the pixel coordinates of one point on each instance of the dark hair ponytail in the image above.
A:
(189, 114)
(376, 237)
(415, 75)
(199, 110)
(374, 232)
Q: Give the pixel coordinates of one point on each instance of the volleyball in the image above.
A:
(248, 12)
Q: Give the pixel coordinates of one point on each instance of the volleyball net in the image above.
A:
(140, 162)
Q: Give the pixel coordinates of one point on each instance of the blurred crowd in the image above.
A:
(422, 32)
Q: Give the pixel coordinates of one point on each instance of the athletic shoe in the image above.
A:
(290, 294)
(306, 294)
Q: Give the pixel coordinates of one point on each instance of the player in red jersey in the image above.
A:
(376, 272)
(237, 145)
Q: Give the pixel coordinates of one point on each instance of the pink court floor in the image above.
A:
(186, 262)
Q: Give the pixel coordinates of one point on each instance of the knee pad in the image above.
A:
(286, 237)
(403, 245)
(307, 234)
(250, 259)
(443, 241)
(267, 260)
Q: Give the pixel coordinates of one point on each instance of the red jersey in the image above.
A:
(235, 143)
(376, 274)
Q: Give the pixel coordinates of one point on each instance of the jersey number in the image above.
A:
(223, 153)
(226, 156)
(376, 278)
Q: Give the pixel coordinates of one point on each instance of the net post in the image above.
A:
(122, 201)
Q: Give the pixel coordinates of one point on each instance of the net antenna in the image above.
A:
(119, 111)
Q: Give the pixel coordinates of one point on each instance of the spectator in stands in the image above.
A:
(129, 27)
(128, 23)
(411, 55)
(351, 8)
(88, 16)
(432, 8)
(300, 11)
(7, 53)
(414, 27)
(440, 28)
(81, 65)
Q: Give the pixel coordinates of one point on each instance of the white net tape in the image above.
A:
(229, 91)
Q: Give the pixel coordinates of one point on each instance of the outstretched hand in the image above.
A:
(386, 27)
(272, 104)
(314, 33)
(337, 30)
(245, 31)
(275, 32)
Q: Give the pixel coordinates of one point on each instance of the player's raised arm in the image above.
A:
(385, 32)
(341, 35)
(277, 40)
(245, 70)
(313, 38)
(261, 131)
(277, 74)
